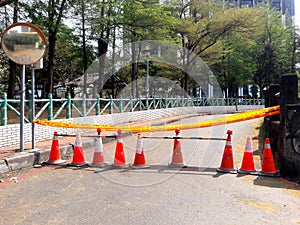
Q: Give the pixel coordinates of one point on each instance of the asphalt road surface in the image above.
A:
(157, 195)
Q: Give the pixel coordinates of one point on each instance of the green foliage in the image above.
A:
(68, 55)
(148, 20)
(4, 73)
(274, 50)
(242, 45)
(234, 69)
(209, 29)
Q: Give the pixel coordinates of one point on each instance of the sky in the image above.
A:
(297, 12)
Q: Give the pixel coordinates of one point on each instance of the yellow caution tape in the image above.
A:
(253, 114)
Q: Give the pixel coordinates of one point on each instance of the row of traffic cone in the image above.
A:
(55, 157)
(119, 160)
(227, 164)
(247, 167)
(139, 160)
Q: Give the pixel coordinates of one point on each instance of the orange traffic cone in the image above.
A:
(78, 157)
(139, 160)
(177, 159)
(227, 165)
(98, 160)
(119, 161)
(54, 157)
(268, 166)
(248, 161)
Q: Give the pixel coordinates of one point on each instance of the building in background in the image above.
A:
(287, 7)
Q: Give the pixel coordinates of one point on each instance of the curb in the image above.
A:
(37, 156)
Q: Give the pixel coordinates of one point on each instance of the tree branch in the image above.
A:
(5, 2)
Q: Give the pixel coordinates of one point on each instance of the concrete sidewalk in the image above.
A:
(12, 159)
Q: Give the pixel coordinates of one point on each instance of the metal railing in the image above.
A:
(82, 107)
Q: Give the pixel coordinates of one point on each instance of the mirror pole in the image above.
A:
(33, 106)
(22, 95)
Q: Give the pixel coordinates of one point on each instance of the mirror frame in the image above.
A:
(33, 27)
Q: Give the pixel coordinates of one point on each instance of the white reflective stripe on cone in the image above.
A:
(78, 140)
(139, 146)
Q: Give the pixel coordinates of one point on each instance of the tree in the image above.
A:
(55, 11)
(99, 17)
(48, 15)
(203, 24)
(235, 68)
(219, 34)
(12, 65)
(274, 50)
(82, 23)
(144, 20)
(69, 60)
(296, 59)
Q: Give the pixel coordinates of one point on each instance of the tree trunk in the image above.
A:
(50, 71)
(5, 2)
(52, 32)
(114, 93)
(103, 41)
(11, 79)
(134, 86)
(12, 65)
(185, 63)
(186, 82)
(84, 51)
(102, 49)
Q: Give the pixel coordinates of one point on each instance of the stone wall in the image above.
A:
(290, 166)
(284, 130)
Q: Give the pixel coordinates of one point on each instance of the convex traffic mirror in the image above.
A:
(24, 43)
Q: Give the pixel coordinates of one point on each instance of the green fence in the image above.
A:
(82, 107)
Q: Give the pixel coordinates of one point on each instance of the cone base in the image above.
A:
(251, 172)
(277, 174)
(173, 165)
(136, 166)
(78, 164)
(232, 171)
(56, 162)
(119, 166)
(100, 165)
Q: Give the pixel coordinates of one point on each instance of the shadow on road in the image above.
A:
(272, 182)
(192, 170)
(276, 183)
